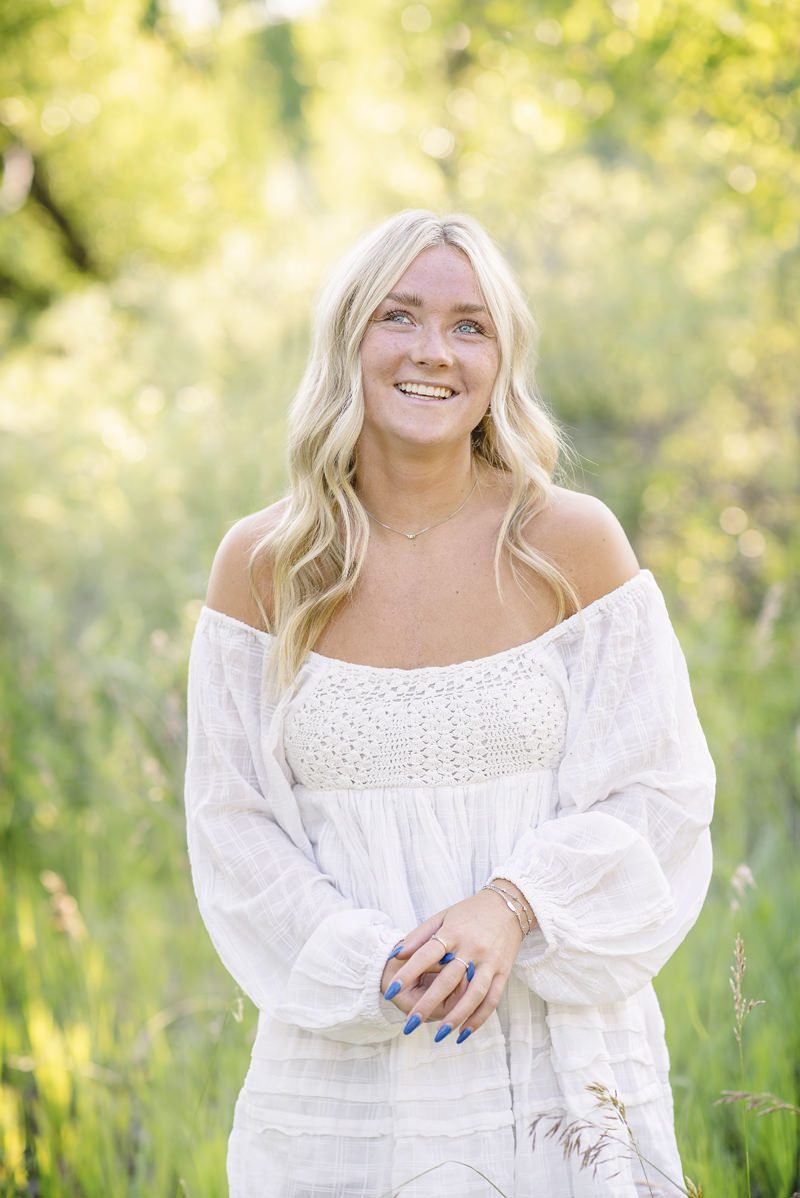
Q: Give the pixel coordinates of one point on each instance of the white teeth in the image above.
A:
(421, 389)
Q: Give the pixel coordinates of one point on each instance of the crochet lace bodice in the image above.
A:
(368, 726)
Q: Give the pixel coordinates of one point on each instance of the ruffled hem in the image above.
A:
(264, 1119)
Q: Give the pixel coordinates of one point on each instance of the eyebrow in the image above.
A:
(415, 301)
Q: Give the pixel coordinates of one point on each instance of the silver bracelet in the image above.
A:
(510, 905)
(523, 902)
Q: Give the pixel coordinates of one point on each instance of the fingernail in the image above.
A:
(470, 971)
(395, 951)
(447, 957)
(443, 1031)
(412, 1022)
(393, 989)
(466, 1032)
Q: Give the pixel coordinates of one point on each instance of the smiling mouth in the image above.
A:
(423, 391)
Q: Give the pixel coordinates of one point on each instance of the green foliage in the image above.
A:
(172, 193)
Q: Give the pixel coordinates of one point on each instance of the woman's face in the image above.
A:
(432, 330)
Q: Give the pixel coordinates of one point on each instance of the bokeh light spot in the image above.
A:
(733, 520)
(437, 142)
(416, 18)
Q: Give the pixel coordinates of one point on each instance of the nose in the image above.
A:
(430, 347)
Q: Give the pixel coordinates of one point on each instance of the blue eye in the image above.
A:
(473, 324)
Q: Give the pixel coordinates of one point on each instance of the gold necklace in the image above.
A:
(412, 535)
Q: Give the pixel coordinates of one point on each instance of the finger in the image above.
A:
(429, 1005)
(440, 1012)
(410, 1000)
(426, 959)
(409, 980)
(483, 994)
(448, 979)
(422, 934)
(454, 997)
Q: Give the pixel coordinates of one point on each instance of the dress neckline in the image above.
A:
(591, 609)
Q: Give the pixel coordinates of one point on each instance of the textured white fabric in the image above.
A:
(322, 828)
(362, 728)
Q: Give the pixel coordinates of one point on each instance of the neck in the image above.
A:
(412, 494)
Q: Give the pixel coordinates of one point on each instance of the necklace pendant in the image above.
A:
(411, 535)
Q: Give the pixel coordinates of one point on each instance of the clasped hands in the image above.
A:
(480, 929)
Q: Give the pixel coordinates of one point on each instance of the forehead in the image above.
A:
(439, 270)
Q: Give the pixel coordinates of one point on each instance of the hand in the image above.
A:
(479, 929)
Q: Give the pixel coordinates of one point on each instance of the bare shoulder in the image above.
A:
(586, 540)
(228, 586)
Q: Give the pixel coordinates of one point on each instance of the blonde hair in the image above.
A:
(318, 547)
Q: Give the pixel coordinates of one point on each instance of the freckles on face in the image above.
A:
(433, 329)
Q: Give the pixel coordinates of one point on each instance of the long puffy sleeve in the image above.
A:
(294, 944)
(619, 876)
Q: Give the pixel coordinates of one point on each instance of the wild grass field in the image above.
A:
(173, 190)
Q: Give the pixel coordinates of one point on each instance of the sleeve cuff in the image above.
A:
(334, 985)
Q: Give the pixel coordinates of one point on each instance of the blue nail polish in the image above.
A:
(443, 1031)
(470, 971)
(466, 1032)
(393, 989)
(412, 1022)
(447, 957)
(395, 951)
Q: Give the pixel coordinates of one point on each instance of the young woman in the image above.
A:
(447, 792)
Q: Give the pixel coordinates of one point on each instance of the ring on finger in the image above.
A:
(442, 942)
(469, 966)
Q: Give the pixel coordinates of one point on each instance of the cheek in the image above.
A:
(486, 368)
(370, 364)
(376, 354)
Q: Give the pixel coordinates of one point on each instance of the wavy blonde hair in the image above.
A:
(317, 549)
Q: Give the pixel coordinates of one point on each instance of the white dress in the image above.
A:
(323, 827)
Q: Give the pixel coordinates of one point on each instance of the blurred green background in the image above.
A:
(177, 178)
